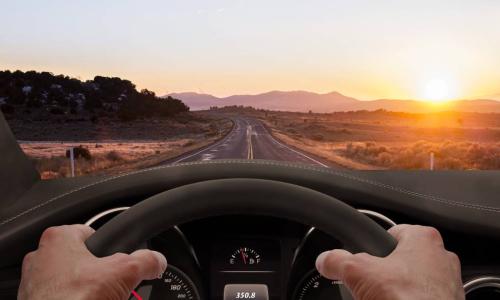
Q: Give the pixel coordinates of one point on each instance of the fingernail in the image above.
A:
(320, 260)
(162, 260)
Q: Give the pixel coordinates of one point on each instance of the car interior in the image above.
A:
(249, 228)
(268, 150)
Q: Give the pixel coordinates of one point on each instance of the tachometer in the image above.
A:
(315, 287)
(173, 284)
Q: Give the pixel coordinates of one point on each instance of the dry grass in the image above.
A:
(114, 157)
(66, 128)
(327, 151)
(448, 155)
(51, 161)
(389, 140)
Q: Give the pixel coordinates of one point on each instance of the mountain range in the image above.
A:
(303, 101)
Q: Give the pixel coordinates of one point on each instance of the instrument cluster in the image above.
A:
(241, 257)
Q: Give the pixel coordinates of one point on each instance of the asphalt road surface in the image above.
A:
(249, 139)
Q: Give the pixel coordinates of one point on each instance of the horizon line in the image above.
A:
(487, 98)
(492, 97)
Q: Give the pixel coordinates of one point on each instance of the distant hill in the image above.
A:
(478, 105)
(303, 101)
(495, 97)
(275, 100)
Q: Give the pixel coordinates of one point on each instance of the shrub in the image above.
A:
(52, 167)
(114, 156)
(56, 110)
(448, 155)
(188, 143)
(317, 137)
(80, 152)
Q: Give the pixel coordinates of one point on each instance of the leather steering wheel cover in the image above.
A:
(240, 197)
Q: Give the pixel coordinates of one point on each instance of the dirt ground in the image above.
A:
(113, 156)
(391, 140)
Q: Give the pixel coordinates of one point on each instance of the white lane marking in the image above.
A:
(225, 140)
(300, 153)
(207, 156)
(293, 150)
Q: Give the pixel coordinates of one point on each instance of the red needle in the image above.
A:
(136, 295)
(243, 256)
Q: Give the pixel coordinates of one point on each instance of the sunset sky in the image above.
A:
(422, 49)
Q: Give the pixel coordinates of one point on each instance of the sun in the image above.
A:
(437, 91)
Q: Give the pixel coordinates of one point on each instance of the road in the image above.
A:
(249, 139)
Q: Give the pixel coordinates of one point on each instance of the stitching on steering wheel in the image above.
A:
(297, 166)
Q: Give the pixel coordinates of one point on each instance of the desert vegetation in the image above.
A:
(113, 157)
(28, 95)
(112, 126)
(51, 159)
(390, 140)
(111, 146)
(447, 155)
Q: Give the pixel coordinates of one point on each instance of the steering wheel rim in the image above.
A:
(240, 196)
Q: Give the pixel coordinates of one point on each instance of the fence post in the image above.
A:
(431, 164)
(72, 160)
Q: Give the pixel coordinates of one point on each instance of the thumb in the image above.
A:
(331, 264)
(153, 263)
(140, 265)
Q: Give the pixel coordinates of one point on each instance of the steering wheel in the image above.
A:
(240, 196)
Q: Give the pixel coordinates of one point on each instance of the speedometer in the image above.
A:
(315, 287)
(173, 284)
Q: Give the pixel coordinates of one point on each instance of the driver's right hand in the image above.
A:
(419, 268)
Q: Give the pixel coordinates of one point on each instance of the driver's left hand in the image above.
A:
(63, 268)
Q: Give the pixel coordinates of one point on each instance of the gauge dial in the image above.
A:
(315, 287)
(173, 284)
(245, 256)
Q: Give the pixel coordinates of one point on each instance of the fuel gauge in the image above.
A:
(244, 256)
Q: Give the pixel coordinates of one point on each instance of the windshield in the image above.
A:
(119, 86)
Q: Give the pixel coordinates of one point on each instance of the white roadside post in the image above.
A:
(431, 164)
(72, 160)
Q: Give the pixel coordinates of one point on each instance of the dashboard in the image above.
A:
(249, 257)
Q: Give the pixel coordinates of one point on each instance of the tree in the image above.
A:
(111, 94)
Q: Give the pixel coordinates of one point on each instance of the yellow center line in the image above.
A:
(249, 143)
(251, 148)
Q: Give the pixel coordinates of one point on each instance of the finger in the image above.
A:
(399, 231)
(416, 235)
(130, 270)
(64, 234)
(331, 264)
(80, 231)
(153, 262)
(27, 262)
(430, 234)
